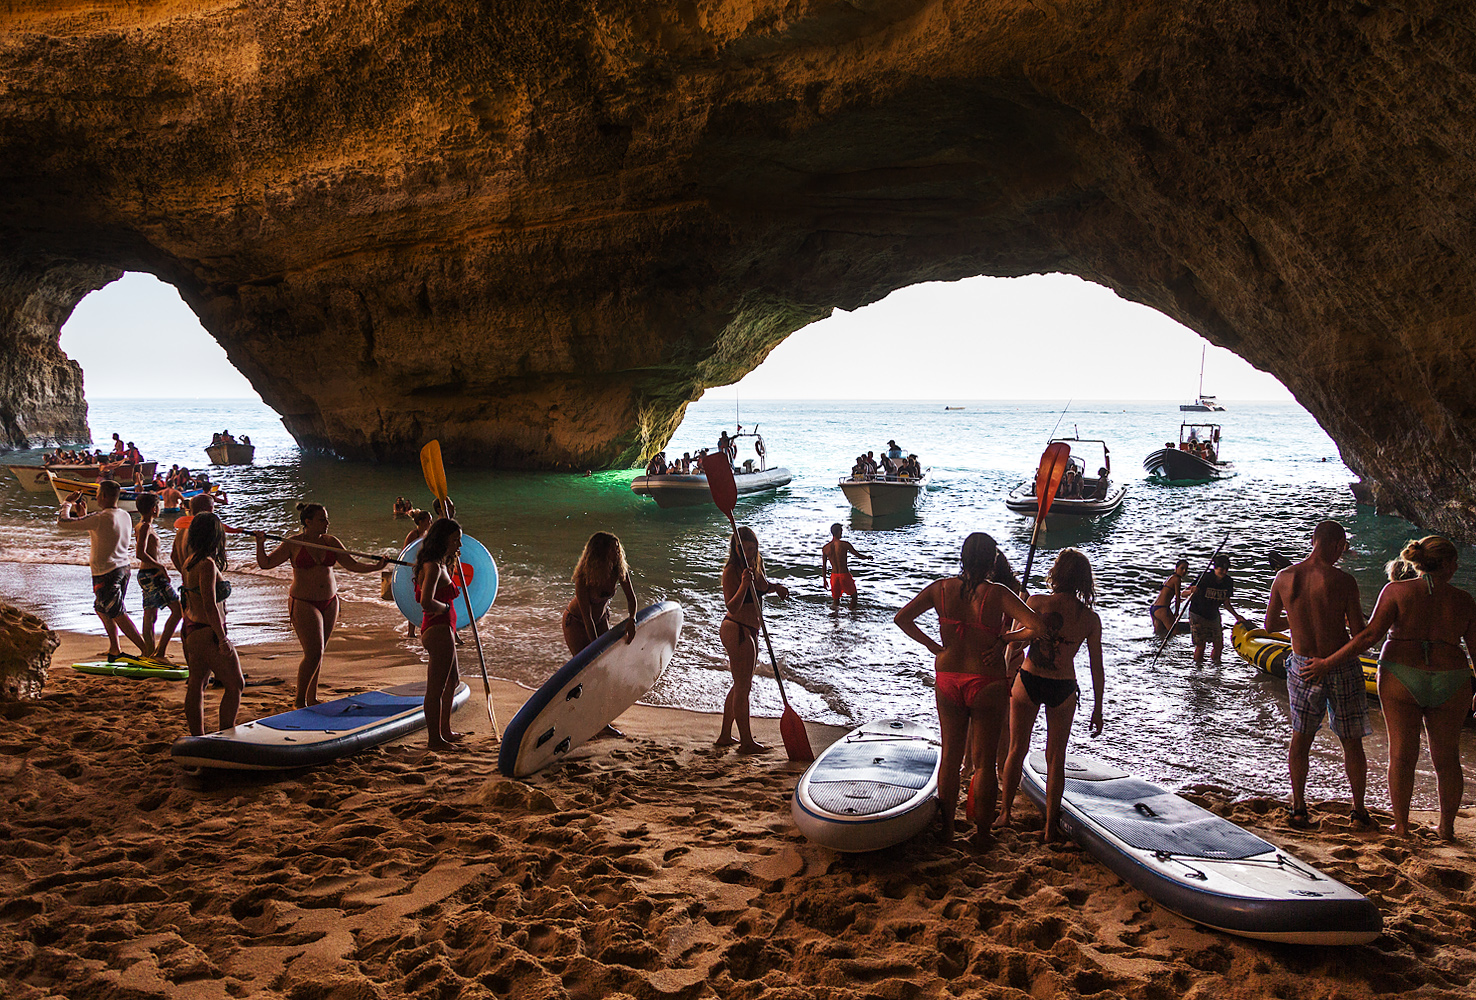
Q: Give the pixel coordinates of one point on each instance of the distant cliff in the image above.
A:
(536, 230)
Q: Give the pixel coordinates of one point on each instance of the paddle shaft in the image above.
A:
(763, 626)
(1184, 605)
(325, 548)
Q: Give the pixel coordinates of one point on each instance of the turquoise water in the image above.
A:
(1172, 722)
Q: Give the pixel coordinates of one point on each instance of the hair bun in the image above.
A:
(301, 506)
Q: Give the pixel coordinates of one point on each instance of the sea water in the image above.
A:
(1169, 720)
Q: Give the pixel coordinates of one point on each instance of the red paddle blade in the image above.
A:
(796, 740)
(720, 481)
(1053, 464)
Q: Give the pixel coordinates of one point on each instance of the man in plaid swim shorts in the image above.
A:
(1320, 605)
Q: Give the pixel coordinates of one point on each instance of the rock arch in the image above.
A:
(537, 232)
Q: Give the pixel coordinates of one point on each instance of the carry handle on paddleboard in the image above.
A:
(1185, 604)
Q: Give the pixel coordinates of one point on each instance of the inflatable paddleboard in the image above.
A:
(478, 568)
(1267, 651)
(872, 789)
(590, 691)
(315, 735)
(134, 666)
(1199, 865)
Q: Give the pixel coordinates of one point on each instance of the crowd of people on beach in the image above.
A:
(1001, 655)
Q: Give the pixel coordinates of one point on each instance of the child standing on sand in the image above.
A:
(744, 587)
(153, 579)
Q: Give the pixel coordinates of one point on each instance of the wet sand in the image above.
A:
(653, 866)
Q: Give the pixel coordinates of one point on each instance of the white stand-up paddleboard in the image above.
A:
(590, 691)
(306, 737)
(1199, 865)
(872, 789)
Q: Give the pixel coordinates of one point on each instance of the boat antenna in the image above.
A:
(1059, 419)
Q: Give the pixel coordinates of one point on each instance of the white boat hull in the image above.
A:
(691, 490)
(881, 497)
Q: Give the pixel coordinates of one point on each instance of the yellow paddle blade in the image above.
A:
(434, 469)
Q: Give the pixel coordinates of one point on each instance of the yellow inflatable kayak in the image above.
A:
(1268, 650)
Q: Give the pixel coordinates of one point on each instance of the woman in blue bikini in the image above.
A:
(1424, 676)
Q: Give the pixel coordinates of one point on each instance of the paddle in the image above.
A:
(231, 529)
(1277, 561)
(1185, 604)
(435, 478)
(725, 494)
(1054, 462)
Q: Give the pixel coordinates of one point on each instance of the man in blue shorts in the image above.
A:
(1319, 604)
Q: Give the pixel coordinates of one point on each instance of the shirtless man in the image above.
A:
(200, 503)
(1320, 606)
(1165, 609)
(833, 556)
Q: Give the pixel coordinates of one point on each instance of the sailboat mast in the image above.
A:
(1202, 349)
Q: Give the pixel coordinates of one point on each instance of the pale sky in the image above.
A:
(1040, 337)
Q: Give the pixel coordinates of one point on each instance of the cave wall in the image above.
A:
(537, 230)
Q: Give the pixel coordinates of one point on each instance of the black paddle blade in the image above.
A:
(1278, 561)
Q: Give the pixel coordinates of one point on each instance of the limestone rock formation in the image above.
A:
(537, 230)
(26, 645)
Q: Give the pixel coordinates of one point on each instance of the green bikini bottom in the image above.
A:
(1429, 688)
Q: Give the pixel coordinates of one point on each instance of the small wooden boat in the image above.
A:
(127, 499)
(1096, 496)
(35, 478)
(946, 408)
(231, 454)
(881, 496)
(690, 489)
(1195, 460)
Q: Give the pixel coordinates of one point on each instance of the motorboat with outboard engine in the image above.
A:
(1080, 495)
(689, 489)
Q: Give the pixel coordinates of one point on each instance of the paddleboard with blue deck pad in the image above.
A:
(306, 737)
(874, 788)
(1199, 865)
(591, 691)
(478, 567)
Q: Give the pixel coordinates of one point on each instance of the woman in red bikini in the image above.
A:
(207, 650)
(972, 689)
(743, 596)
(1048, 677)
(438, 554)
(312, 600)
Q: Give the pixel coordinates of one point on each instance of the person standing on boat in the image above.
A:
(725, 446)
(1424, 674)
(972, 688)
(744, 587)
(1210, 591)
(1165, 609)
(312, 600)
(119, 448)
(110, 532)
(1318, 603)
(1048, 678)
(833, 556)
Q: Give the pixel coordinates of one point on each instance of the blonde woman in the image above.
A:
(1424, 675)
(600, 572)
(744, 587)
